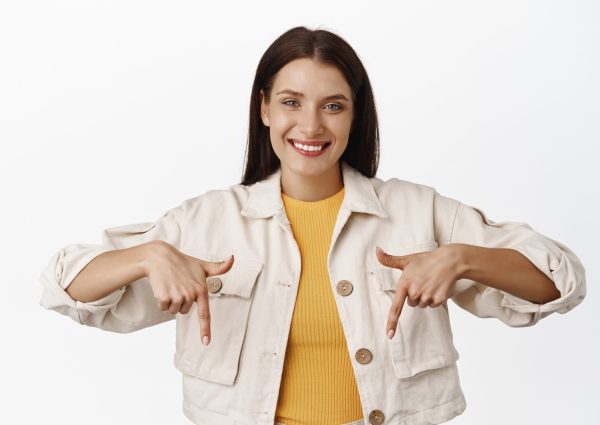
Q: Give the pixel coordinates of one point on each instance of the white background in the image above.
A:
(112, 112)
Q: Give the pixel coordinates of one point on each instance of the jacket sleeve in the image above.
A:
(127, 309)
(470, 225)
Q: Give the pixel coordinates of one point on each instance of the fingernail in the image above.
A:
(205, 339)
(381, 250)
(390, 333)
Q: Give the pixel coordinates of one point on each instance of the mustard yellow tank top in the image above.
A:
(318, 384)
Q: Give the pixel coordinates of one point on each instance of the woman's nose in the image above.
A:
(310, 122)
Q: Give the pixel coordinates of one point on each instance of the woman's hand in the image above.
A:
(178, 280)
(427, 279)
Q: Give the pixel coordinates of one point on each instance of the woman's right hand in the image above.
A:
(178, 280)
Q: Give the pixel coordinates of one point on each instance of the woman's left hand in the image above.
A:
(427, 279)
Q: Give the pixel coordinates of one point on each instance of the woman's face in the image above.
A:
(311, 104)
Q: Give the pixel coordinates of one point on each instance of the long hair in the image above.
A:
(362, 152)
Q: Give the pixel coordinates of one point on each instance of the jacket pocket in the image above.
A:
(229, 309)
(423, 340)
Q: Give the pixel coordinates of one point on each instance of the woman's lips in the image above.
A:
(309, 154)
(310, 142)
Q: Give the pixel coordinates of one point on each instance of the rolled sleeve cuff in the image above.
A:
(561, 266)
(62, 268)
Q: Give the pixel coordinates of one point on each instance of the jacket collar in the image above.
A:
(264, 198)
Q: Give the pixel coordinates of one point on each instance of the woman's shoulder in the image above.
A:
(232, 196)
(408, 192)
(394, 186)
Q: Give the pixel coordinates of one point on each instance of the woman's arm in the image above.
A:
(108, 272)
(496, 282)
(80, 271)
(504, 269)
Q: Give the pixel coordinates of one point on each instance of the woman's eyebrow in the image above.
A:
(338, 96)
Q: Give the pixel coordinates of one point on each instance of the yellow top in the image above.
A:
(318, 384)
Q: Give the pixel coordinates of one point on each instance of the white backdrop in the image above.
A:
(112, 112)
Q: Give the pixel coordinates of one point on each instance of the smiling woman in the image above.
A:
(310, 86)
(308, 132)
(286, 310)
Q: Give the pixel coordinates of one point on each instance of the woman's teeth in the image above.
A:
(308, 148)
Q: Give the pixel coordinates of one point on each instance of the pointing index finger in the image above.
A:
(203, 316)
(395, 311)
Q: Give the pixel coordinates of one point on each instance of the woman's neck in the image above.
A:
(311, 188)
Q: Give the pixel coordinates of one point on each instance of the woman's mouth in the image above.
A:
(309, 149)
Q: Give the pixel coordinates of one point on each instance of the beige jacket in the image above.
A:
(411, 379)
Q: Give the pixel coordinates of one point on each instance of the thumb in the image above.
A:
(396, 261)
(217, 267)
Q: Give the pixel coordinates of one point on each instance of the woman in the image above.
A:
(302, 317)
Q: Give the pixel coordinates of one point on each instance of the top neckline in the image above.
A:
(299, 202)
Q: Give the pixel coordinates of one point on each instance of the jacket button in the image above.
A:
(344, 287)
(363, 356)
(214, 284)
(376, 417)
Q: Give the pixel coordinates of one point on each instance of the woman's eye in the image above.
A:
(285, 102)
(336, 107)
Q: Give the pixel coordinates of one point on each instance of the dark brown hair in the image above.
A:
(362, 152)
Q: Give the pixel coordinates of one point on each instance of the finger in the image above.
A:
(186, 306)
(438, 299)
(217, 267)
(396, 261)
(203, 316)
(175, 305)
(395, 311)
(163, 302)
(425, 300)
(412, 299)
(435, 303)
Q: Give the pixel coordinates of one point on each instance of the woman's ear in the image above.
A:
(264, 109)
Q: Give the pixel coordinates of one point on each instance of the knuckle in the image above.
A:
(413, 292)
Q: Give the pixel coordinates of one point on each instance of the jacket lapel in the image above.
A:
(265, 201)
